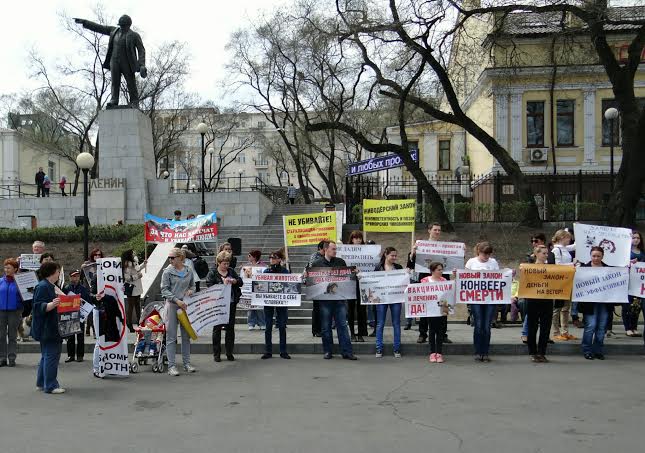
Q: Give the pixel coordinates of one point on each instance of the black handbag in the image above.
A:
(128, 289)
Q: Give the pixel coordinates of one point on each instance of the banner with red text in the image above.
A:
(277, 290)
(69, 316)
(637, 280)
(200, 229)
(309, 229)
(483, 287)
(429, 300)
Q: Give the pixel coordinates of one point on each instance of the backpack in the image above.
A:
(201, 267)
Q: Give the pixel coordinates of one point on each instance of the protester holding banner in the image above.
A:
(177, 282)
(631, 310)
(388, 263)
(356, 310)
(596, 315)
(255, 317)
(228, 248)
(45, 328)
(482, 314)
(11, 308)
(224, 274)
(76, 343)
(133, 287)
(89, 273)
(562, 249)
(281, 313)
(437, 324)
(336, 309)
(315, 312)
(539, 313)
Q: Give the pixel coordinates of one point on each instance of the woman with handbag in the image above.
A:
(132, 288)
(540, 314)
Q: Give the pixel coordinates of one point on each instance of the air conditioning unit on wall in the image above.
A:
(538, 154)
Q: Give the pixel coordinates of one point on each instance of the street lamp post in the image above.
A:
(211, 151)
(202, 129)
(611, 114)
(85, 161)
(240, 171)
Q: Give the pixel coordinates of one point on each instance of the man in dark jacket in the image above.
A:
(76, 343)
(40, 179)
(334, 308)
(315, 312)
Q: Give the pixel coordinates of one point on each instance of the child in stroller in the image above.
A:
(150, 334)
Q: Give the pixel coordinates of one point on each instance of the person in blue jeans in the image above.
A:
(333, 306)
(388, 263)
(281, 313)
(44, 328)
(482, 315)
(596, 316)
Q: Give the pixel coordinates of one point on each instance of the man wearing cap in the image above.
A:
(76, 343)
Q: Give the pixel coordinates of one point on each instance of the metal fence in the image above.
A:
(25, 190)
(492, 198)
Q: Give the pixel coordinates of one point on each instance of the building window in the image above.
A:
(51, 171)
(565, 122)
(241, 158)
(444, 154)
(261, 124)
(535, 124)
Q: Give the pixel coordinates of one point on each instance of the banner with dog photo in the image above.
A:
(616, 242)
(111, 338)
(331, 283)
(449, 254)
(277, 290)
(429, 300)
(383, 287)
(246, 274)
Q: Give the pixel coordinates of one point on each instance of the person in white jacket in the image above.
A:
(562, 252)
(133, 288)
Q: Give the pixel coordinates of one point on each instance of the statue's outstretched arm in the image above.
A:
(93, 26)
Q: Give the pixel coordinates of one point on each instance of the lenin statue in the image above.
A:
(125, 56)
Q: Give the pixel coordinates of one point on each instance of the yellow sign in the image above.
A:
(389, 216)
(308, 229)
(546, 281)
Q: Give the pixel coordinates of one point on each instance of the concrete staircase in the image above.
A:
(270, 237)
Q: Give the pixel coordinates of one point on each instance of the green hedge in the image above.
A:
(72, 234)
(136, 243)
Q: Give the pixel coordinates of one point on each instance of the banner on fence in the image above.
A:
(69, 315)
(209, 308)
(202, 228)
(450, 254)
(637, 280)
(429, 300)
(26, 282)
(109, 271)
(378, 163)
(383, 287)
(309, 229)
(277, 290)
(111, 333)
(616, 242)
(364, 257)
(331, 283)
(546, 281)
(30, 261)
(484, 287)
(601, 285)
(389, 216)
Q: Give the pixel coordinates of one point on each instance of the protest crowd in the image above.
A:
(561, 282)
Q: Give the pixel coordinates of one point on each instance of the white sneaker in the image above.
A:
(39, 389)
(58, 391)
(379, 354)
(172, 371)
(251, 328)
(139, 354)
(189, 368)
(397, 355)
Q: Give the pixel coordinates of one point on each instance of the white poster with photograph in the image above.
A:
(30, 261)
(364, 257)
(383, 287)
(483, 287)
(246, 274)
(601, 285)
(450, 254)
(26, 282)
(331, 283)
(277, 290)
(616, 242)
(431, 299)
(111, 338)
(209, 308)
(637, 280)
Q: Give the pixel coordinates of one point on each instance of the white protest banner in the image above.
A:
(331, 283)
(26, 282)
(637, 280)
(601, 285)
(383, 287)
(209, 308)
(246, 273)
(364, 257)
(30, 261)
(86, 309)
(111, 337)
(431, 299)
(277, 290)
(616, 242)
(483, 287)
(109, 272)
(450, 254)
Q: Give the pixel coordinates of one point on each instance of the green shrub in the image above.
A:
(72, 234)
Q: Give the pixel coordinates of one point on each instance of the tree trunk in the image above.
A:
(77, 173)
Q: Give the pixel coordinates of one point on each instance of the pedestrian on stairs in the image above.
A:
(291, 193)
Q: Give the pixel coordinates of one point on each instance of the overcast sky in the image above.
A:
(205, 25)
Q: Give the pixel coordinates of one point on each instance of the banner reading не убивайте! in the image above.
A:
(430, 299)
(202, 228)
(389, 216)
(309, 229)
(546, 281)
(483, 287)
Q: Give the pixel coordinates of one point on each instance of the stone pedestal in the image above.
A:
(125, 142)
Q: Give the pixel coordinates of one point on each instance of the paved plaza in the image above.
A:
(314, 405)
